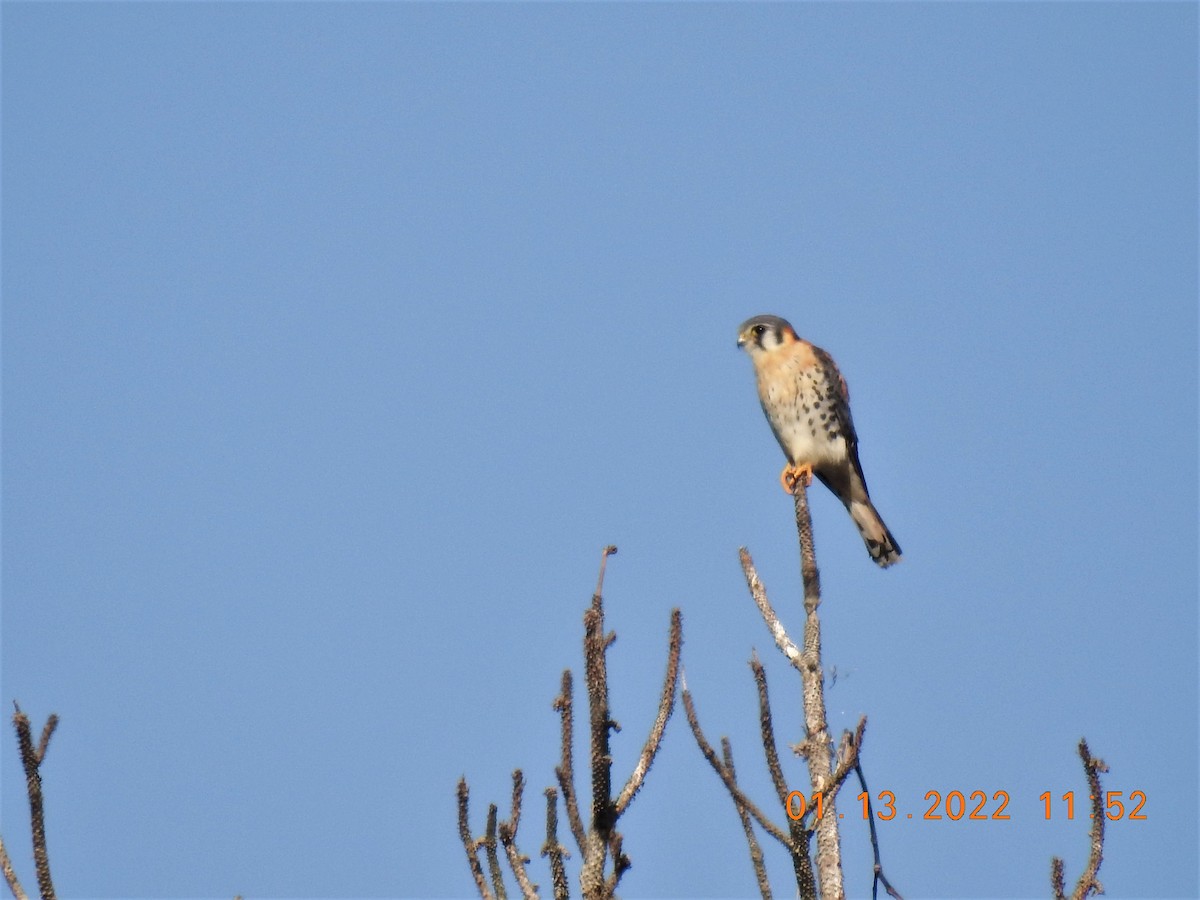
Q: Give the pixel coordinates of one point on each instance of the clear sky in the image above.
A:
(338, 339)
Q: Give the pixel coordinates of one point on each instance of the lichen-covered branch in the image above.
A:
(785, 644)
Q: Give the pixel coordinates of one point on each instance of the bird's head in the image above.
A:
(764, 334)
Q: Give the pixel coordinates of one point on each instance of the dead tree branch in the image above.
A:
(819, 743)
(1087, 883)
(565, 771)
(666, 705)
(469, 843)
(827, 770)
(598, 841)
(756, 856)
(493, 857)
(739, 797)
(508, 839)
(879, 878)
(801, 862)
(31, 760)
(10, 875)
(552, 849)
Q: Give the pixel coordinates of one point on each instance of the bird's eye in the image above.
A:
(760, 330)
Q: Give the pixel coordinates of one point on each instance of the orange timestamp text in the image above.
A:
(956, 805)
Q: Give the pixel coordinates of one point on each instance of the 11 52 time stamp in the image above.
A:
(975, 806)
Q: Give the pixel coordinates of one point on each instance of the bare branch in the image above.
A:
(621, 864)
(785, 644)
(508, 838)
(767, 729)
(599, 839)
(1057, 882)
(610, 550)
(595, 669)
(10, 875)
(553, 849)
(801, 861)
(665, 707)
(469, 844)
(595, 648)
(490, 843)
(739, 797)
(848, 752)
(47, 732)
(819, 744)
(514, 821)
(880, 878)
(31, 760)
(756, 855)
(565, 771)
(1087, 883)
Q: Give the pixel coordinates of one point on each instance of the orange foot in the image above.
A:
(793, 475)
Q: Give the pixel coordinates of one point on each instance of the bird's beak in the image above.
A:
(741, 341)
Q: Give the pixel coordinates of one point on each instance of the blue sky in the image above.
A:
(338, 339)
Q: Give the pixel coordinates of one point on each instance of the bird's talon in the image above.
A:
(793, 475)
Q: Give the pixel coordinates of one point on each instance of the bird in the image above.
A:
(806, 401)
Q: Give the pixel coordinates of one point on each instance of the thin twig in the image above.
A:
(469, 843)
(666, 706)
(47, 733)
(879, 878)
(847, 760)
(730, 785)
(31, 760)
(756, 854)
(10, 875)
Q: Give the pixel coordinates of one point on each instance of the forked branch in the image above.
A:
(32, 758)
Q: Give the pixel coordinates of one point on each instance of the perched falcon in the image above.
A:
(808, 406)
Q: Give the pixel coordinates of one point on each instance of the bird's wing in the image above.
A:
(838, 394)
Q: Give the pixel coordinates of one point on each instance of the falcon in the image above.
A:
(806, 401)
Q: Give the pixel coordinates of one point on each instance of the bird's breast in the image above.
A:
(798, 404)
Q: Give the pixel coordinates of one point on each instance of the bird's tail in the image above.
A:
(880, 543)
